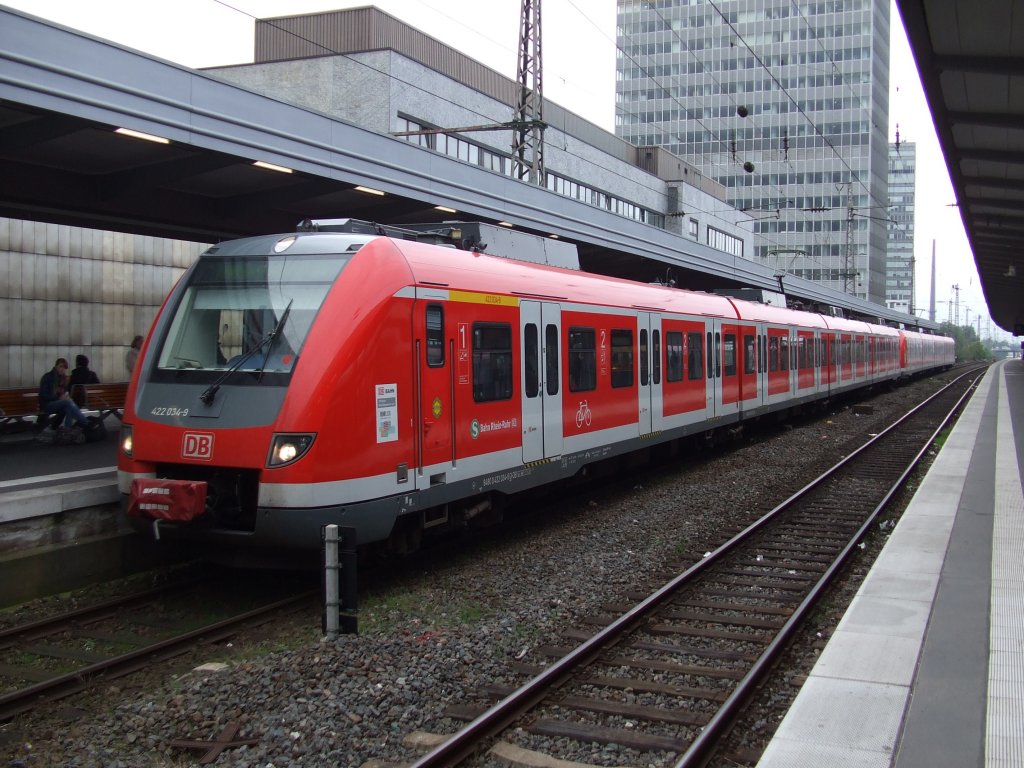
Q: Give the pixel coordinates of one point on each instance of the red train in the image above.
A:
(393, 385)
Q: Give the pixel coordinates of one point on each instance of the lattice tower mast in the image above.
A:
(528, 133)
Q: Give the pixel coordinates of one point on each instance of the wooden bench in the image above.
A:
(107, 399)
(20, 406)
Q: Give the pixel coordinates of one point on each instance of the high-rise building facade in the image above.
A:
(785, 102)
(899, 277)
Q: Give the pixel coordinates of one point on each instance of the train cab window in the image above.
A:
(729, 354)
(435, 336)
(644, 352)
(622, 358)
(674, 356)
(250, 313)
(531, 352)
(694, 356)
(551, 359)
(749, 354)
(492, 362)
(582, 360)
(656, 357)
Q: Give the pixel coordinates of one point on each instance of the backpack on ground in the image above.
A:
(74, 435)
(96, 431)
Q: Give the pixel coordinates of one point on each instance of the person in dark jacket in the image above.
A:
(80, 379)
(54, 398)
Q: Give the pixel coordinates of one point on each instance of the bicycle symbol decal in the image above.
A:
(583, 415)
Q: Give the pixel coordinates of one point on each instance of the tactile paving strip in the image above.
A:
(1004, 745)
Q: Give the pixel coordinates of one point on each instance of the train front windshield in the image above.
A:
(248, 313)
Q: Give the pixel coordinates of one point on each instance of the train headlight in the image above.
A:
(126, 439)
(284, 449)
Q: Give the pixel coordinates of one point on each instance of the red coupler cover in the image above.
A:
(180, 500)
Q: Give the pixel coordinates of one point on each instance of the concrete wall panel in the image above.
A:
(66, 291)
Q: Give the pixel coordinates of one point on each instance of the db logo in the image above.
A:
(197, 445)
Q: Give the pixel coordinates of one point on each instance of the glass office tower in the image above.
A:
(899, 283)
(785, 102)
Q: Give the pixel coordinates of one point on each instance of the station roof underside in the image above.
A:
(971, 59)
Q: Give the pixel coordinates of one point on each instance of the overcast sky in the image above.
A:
(579, 74)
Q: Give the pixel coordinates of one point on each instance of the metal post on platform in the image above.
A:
(341, 597)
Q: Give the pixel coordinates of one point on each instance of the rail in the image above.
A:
(798, 542)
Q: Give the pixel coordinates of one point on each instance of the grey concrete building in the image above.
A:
(899, 273)
(371, 69)
(786, 105)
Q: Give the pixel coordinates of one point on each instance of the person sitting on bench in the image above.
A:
(54, 398)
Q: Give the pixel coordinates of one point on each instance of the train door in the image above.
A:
(747, 365)
(540, 331)
(762, 364)
(828, 374)
(650, 401)
(728, 343)
(713, 358)
(435, 396)
(819, 355)
(846, 356)
(804, 361)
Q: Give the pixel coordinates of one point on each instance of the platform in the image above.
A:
(926, 669)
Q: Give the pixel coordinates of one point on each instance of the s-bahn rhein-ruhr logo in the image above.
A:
(477, 428)
(197, 445)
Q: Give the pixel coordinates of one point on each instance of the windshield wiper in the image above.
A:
(211, 391)
(273, 335)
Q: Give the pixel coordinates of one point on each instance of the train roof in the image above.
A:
(491, 274)
(433, 265)
(767, 313)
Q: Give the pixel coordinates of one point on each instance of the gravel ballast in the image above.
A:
(433, 638)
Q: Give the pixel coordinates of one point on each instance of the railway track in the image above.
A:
(66, 653)
(665, 678)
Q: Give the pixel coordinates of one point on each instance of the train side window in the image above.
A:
(551, 359)
(582, 360)
(773, 353)
(718, 355)
(622, 358)
(492, 362)
(674, 356)
(784, 352)
(749, 352)
(435, 336)
(531, 352)
(656, 357)
(729, 354)
(694, 356)
(644, 351)
(710, 358)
